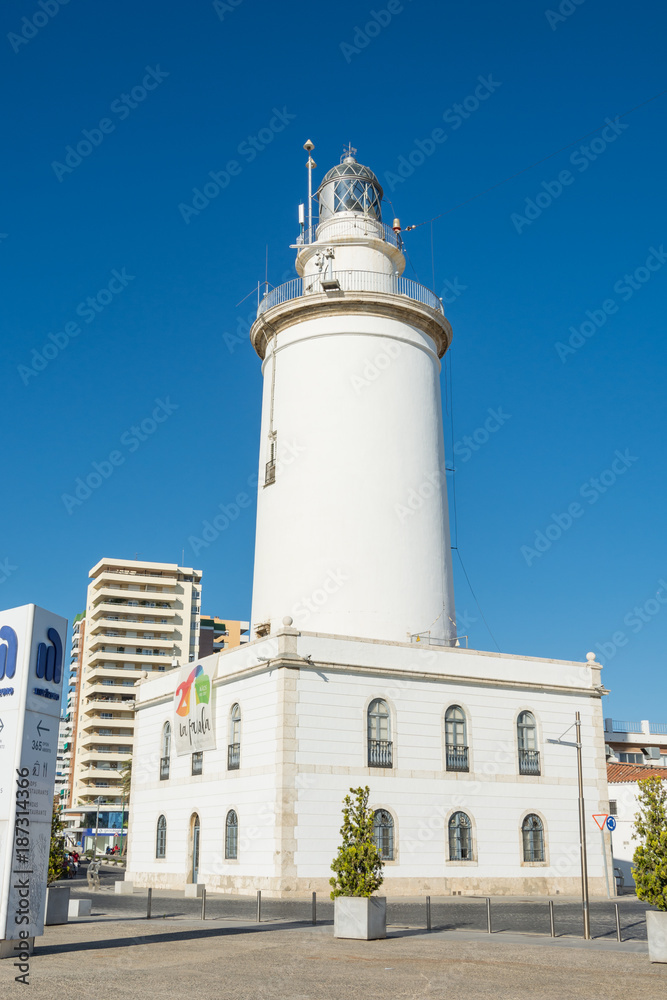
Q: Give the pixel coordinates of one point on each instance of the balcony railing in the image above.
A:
(529, 762)
(657, 728)
(233, 756)
(197, 762)
(380, 753)
(457, 757)
(626, 727)
(164, 768)
(352, 281)
(349, 227)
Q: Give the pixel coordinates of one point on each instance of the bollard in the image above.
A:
(488, 915)
(552, 924)
(314, 904)
(149, 904)
(203, 903)
(618, 923)
(428, 913)
(259, 905)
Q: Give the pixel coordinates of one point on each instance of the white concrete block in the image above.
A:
(8, 949)
(194, 890)
(79, 908)
(124, 888)
(360, 917)
(656, 926)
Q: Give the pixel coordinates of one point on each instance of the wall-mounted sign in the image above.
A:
(193, 708)
(31, 674)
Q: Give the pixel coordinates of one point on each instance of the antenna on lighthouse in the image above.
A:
(308, 145)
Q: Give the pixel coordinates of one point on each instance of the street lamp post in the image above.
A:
(582, 821)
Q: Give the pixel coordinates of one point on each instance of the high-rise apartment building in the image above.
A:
(140, 616)
(216, 634)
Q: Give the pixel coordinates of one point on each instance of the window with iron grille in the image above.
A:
(165, 756)
(533, 838)
(197, 762)
(231, 836)
(383, 833)
(460, 837)
(234, 747)
(379, 735)
(613, 807)
(161, 838)
(529, 755)
(456, 742)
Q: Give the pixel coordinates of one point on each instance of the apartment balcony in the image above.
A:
(128, 643)
(143, 658)
(114, 625)
(529, 762)
(108, 704)
(106, 673)
(108, 756)
(133, 579)
(106, 608)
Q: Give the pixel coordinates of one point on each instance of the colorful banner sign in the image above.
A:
(193, 709)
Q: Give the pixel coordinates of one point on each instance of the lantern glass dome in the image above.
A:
(350, 187)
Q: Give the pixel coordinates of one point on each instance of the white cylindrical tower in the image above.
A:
(352, 521)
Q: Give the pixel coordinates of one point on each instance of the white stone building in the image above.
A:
(624, 806)
(355, 675)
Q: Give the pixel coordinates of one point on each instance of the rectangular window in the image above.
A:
(613, 807)
(631, 758)
(197, 762)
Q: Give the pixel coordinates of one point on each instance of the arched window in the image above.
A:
(456, 739)
(195, 834)
(379, 734)
(234, 746)
(532, 830)
(165, 755)
(460, 837)
(161, 838)
(231, 836)
(383, 833)
(526, 734)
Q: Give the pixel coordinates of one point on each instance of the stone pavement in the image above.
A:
(182, 958)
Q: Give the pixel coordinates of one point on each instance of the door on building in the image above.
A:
(195, 831)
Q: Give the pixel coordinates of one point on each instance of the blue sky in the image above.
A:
(576, 239)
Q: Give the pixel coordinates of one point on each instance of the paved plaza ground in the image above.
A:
(117, 953)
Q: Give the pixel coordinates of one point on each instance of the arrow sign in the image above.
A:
(40, 727)
(611, 823)
(600, 819)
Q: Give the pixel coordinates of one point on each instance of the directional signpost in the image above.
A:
(605, 820)
(32, 641)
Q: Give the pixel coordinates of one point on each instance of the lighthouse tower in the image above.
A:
(352, 520)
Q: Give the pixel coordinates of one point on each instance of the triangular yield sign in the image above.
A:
(600, 819)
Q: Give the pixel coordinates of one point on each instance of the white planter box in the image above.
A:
(360, 917)
(656, 927)
(194, 890)
(80, 907)
(124, 888)
(57, 905)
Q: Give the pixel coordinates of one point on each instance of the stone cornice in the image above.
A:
(325, 304)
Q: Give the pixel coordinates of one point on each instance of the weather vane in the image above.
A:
(350, 151)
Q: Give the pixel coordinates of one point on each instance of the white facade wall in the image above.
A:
(303, 746)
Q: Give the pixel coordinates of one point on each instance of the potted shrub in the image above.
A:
(358, 874)
(650, 862)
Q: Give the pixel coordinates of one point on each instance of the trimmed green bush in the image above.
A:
(650, 858)
(57, 866)
(358, 865)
